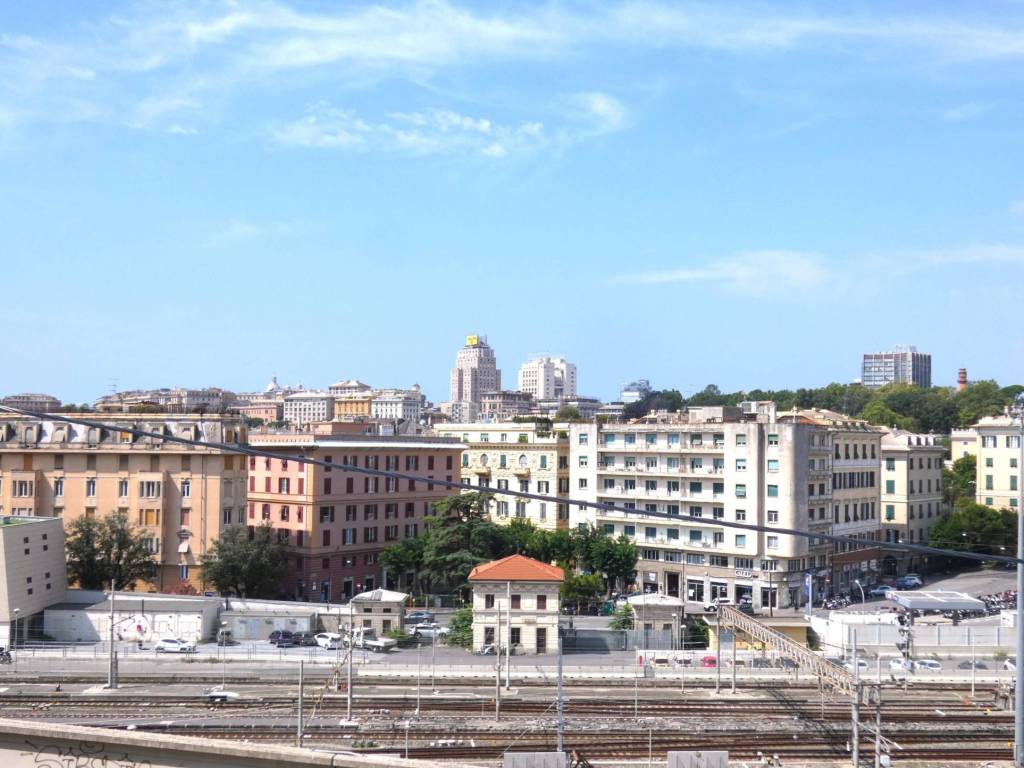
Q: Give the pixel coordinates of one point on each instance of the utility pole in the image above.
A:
(855, 709)
(718, 650)
(417, 678)
(559, 706)
(878, 727)
(298, 730)
(433, 655)
(348, 686)
(508, 645)
(734, 660)
(970, 642)
(112, 664)
(1018, 692)
(497, 669)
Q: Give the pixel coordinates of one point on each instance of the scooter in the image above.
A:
(5, 656)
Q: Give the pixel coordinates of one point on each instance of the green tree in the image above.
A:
(615, 559)
(254, 421)
(520, 531)
(108, 549)
(976, 528)
(404, 556)
(877, 412)
(960, 482)
(581, 589)
(568, 413)
(562, 548)
(460, 628)
(622, 618)
(460, 538)
(247, 567)
(980, 398)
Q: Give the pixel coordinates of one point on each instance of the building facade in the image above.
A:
(169, 400)
(516, 604)
(32, 401)
(548, 378)
(520, 457)
(349, 387)
(505, 405)
(962, 443)
(475, 372)
(999, 462)
(904, 365)
(335, 522)
(33, 574)
(397, 404)
(180, 496)
(307, 407)
(911, 494)
(269, 411)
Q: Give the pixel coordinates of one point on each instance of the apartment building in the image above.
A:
(353, 405)
(999, 461)
(398, 404)
(912, 504)
(181, 496)
(904, 365)
(855, 496)
(709, 466)
(33, 574)
(548, 378)
(963, 443)
(308, 407)
(32, 401)
(268, 411)
(505, 405)
(168, 400)
(522, 457)
(349, 387)
(336, 523)
(475, 372)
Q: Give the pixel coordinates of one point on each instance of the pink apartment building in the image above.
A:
(336, 523)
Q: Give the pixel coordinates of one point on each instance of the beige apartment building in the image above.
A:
(911, 494)
(180, 496)
(999, 461)
(855, 496)
(335, 522)
(962, 443)
(521, 457)
(709, 466)
(33, 575)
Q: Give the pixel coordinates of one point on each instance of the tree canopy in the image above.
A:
(107, 549)
(960, 482)
(974, 527)
(934, 409)
(247, 567)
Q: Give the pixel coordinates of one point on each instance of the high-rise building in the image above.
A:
(548, 378)
(336, 523)
(911, 493)
(999, 461)
(475, 372)
(521, 457)
(904, 365)
(180, 496)
(634, 391)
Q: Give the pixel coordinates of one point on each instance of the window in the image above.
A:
(719, 561)
(186, 489)
(741, 440)
(583, 483)
(741, 539)
(90, 487)
(149, 489)
(773, 491)
(773, 516)
(584, 438)
(741, 491)
(890, 511)
(773, 439)
(542, 602)
(741, 515)
(517, 602)
(488, 601)
(773, 465)
(772, 542)
(890, 464)
(741, 465)
(988, 483)
(58, 486)
(694, 559)
(122, 488)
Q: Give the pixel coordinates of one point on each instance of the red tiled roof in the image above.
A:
(516, 568)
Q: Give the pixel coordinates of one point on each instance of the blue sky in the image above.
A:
(751, 194)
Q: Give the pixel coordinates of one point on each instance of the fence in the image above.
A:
(606, 640)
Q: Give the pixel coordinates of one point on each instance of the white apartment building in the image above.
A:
(999, 461)
(306, 407)
(475, 372)
(520, 457)
(348, 387)
(33, 574)
(505, 405)
(399, 404)
(32, 401)
(548, 378)
(168, 400)
(708, 466)
(911, 494)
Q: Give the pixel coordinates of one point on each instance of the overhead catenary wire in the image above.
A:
(248, 450)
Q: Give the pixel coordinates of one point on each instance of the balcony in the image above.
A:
(481, 471)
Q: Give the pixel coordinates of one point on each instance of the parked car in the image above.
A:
(429, 629)
(927, 665)
(709, 661)
(969, 664)
(330, 641)
(900, 665)
(282, 638)
(305, 638)
(909, 582)
(418, 617)
(174, 645)
(881, 590)
(713, 605)
(758, 663)
(225, 637)
(861, 664)
(1010, 664)
(364, 637)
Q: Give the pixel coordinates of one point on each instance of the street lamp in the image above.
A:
(861, 587)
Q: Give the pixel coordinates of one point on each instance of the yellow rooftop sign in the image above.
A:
(472, 341)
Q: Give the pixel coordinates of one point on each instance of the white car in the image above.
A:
(900, 665)
(713, 605)
(429, 629)
(330, 641)
(1010, 665)
(174, 645)
(861, 664)
(927, 665)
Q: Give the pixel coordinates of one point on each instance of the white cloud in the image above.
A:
(429, 132)
(752, 272)
(182, 130)
(964, 112)
(606, 112)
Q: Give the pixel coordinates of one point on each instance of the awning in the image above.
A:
(183, 547)
(936, 601)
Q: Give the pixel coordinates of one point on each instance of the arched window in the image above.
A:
(523, 461)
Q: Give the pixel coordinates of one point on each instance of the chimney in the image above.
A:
(961, 380)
